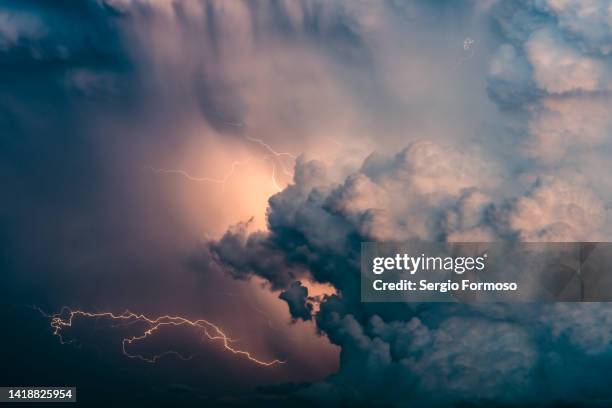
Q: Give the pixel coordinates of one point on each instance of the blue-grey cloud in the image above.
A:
(431, 353)
(296, 297)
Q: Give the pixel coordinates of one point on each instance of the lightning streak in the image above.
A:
(212, 332)
(224, 180)
(274, 181)
(269, 148)
(278, 156)
(202, 179)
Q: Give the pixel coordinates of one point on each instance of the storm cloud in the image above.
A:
(329, 123)
(425, 353)
(550, 78)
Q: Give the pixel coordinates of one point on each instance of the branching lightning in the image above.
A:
(188, 176)
(66, 316)
(225, 179)
(278, 155)
(269, 148)
(274, 157)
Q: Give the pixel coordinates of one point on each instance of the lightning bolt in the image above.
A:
(223, 181)
(275, 153)
(188, 176)
(274, 181)
(274, 158)
(269, 148)
(266, 146)
(65, 318)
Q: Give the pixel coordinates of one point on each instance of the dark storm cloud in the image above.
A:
(70, 70)
(430, 353)
(49, 54)
(297, 299)
(59, 60)
(243, 253)
(87, 90)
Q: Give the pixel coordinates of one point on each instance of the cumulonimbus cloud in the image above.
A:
(367, 73)
(554, 69)
(453, 352)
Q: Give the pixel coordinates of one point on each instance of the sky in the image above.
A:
(223, 160)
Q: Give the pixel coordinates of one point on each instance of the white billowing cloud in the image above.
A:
(436, 171)
(559, 211)
(556, 72)
(569, 126)
(591, 20)
(405, 196)
(561, 68)
(464, 222)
